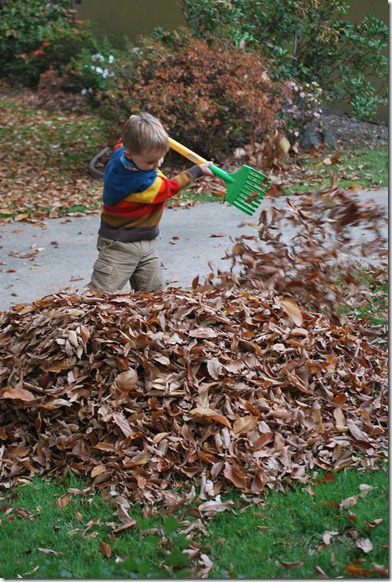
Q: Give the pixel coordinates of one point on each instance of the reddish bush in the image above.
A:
(209, 98)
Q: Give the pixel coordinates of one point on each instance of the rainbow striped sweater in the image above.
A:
(133, 200)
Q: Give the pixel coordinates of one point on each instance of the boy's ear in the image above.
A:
(128, 154)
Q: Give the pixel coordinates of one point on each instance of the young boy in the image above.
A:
(134, 195)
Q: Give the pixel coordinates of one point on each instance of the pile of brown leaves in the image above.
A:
(211, 388)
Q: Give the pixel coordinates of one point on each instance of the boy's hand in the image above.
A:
(206, 168)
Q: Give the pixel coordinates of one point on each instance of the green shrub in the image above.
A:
(307, 40)
(89, 72)
(38, 35)
(212, 99)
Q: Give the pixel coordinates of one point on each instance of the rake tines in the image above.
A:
(247, 189)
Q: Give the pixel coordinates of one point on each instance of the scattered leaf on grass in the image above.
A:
(292, 565)
(49, 552)
(105, 549)
(365, 545)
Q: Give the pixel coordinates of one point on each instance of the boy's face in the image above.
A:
(148, 160)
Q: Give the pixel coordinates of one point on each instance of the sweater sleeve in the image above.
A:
(195, 172)
(163, 188)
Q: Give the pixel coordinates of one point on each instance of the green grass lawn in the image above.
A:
(48, 530)
(356, 169)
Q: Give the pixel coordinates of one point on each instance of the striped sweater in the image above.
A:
(133, 200)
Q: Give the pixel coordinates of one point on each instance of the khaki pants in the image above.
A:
(118, 262)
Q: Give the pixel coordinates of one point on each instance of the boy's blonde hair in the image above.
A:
(142, 133)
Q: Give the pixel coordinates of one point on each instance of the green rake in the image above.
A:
(246, 187)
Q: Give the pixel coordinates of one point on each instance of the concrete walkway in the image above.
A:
(37, 260)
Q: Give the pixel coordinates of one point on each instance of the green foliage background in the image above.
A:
(305, 41)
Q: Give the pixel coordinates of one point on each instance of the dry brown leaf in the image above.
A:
(105, 549)
(208, 412)
(292, 309)
(17, 394)
(212, 507)
(98, 470)
(364, 544)
(292, 565)
(244, 424)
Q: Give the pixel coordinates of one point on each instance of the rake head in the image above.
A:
(246, 189)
